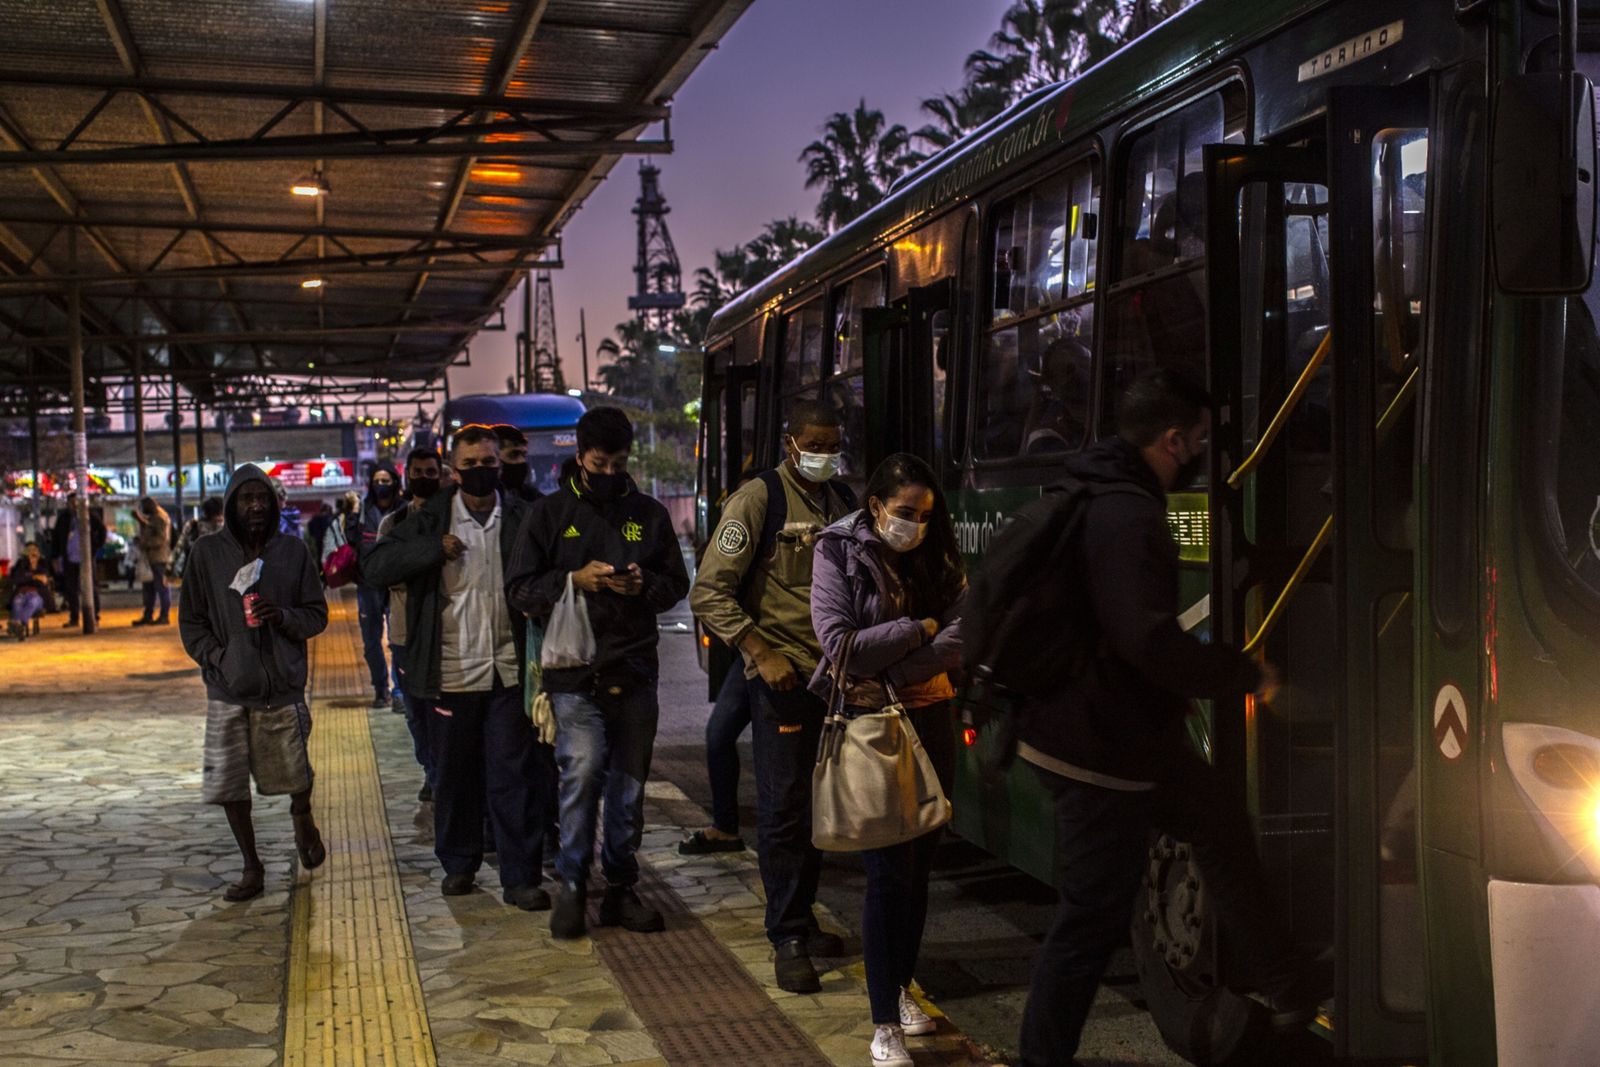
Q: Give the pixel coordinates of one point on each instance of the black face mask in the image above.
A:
(423, 488)
(604, 487)
(514, 475)
(1189, 472)
(384, 493)
(479, 481)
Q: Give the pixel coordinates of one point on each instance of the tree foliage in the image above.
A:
(857, 158)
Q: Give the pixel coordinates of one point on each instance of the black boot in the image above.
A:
(568, 920)
(794, 970)
(622, 907)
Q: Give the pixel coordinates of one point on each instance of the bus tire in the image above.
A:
(1176, 952)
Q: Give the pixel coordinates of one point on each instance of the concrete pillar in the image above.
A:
(141, 453)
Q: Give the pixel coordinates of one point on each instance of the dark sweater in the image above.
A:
(1123, 716)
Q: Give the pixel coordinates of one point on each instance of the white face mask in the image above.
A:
(901, 535)
(816, 466)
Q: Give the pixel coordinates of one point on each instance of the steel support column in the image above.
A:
(80, 450)
(140, 451)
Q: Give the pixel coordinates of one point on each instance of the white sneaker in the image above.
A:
(913, 1020)
(888, 1050)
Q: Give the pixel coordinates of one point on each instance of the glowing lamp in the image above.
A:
(969, 736)
(314, 185)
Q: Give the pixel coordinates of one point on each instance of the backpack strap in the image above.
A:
(777, 511)
(847, 495)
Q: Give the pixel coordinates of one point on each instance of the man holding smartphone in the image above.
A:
(616, 547)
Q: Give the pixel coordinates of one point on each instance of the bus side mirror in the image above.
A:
(1542, 183)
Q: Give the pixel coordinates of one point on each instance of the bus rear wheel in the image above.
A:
(1175, 948)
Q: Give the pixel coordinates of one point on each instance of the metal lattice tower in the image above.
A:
(546, 359)
(658, 290)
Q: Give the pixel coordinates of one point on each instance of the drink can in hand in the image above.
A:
(251, 619)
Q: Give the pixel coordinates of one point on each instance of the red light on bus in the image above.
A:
(969, 736)
(705, 640)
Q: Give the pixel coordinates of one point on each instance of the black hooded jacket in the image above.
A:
(568, 529)
(1123, 717)
(372, 515)
(264, 666)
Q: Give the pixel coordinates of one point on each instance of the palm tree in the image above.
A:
(957, 114)
(1041, 42)
(856, 160)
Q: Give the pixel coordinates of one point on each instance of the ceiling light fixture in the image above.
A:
(312, 185)
(311, 283)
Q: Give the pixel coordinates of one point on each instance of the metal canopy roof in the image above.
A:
(161, 139)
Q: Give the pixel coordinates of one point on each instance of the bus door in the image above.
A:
(901, 353)
(1316, 291)
(727, 453)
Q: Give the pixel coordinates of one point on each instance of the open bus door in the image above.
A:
(729, 442)
(1313, 371)
(899, 352)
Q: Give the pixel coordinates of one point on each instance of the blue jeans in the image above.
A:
(373, 605)
(25, 605)
(603, 746)
(896, 906)
(729, 717)
(485, 752)
(157, 587)
(785, 730)
(416, 717)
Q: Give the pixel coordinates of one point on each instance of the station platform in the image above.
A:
(117, 947)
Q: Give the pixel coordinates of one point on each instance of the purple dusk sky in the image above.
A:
(739, 124)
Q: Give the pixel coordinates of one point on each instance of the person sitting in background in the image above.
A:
(155, 548)
(30, 588)
(887, 586)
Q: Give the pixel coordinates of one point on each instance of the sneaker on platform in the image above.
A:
(526, 897)
(397, 704)
(793, 968)
(380, 700)
(914, 1022)
(888, 1050)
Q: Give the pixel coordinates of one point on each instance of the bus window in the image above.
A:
(1399, 212)
(1156, 309)
(862, 291)
(802, 348)
(1577, 468)
(1037, 360)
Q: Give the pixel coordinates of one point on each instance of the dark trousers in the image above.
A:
(69, 590)
(485, 751)
(156, 588)
(418, 711)
(1102, 856)
(785, 730)
(729, 717)
(373, 605)
(896, 906)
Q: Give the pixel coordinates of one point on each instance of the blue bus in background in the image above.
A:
(549, 419)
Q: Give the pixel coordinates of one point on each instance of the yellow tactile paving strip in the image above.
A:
(354, 996)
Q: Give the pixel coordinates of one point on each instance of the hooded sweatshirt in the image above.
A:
(373, 513)
(263, 666)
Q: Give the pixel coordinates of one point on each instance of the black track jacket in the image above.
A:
(569, 528)
(1123, 716)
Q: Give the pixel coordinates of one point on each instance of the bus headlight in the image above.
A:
(1558, 771)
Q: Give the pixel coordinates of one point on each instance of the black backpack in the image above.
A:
(1027, 629)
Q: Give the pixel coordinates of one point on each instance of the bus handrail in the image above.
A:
(1290, 402)
(1318, 543)
(1386, 422)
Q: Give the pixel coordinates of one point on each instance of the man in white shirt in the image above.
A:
(463, 656)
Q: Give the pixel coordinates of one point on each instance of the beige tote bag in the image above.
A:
(873, 785)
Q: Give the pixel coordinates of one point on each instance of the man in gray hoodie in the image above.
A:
(252, 598)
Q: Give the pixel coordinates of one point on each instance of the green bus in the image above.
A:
(1370, 227)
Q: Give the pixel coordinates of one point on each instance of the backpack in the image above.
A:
(1026, 631)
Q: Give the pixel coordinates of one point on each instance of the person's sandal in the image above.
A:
(700, 843)
(247, 888)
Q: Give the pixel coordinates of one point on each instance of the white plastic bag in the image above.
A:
(568, 639)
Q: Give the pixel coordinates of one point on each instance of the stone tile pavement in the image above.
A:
(116, 947)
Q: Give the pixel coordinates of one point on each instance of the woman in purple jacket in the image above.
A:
(889, 580)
